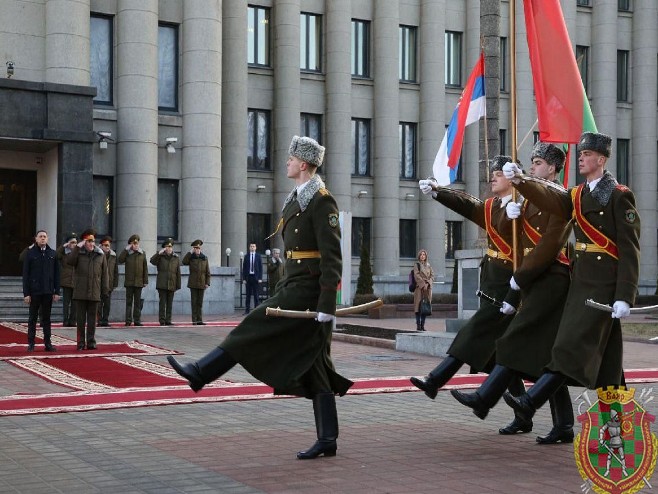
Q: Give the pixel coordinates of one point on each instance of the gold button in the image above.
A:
(601, 213)
(598, 258)
(539, 214)
(299, 261)
(296, 230)
(297, 214)
(577, 255)
(537, 228)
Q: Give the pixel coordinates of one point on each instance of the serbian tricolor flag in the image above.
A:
(563, 109)
(471, 107)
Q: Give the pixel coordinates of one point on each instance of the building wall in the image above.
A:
(49, 42)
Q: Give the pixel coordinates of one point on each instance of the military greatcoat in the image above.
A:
(588, 347)
(475, 344)
(544, 280)
(293, 355)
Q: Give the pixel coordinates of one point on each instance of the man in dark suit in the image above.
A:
(40, 287)
(252, 275)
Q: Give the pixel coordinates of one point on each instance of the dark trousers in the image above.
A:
(69, 306)
(86, 313)
(43, 303)
(197, 304)
(252, 290)
(134, 304)
(104, 308)
(166, 301)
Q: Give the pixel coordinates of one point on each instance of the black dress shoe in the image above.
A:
(128, 323)
(91, 347)
(517, 426)
(138, 324)
(50, 348)
(321, 447)
(426, 386)
(473, 401)
(30, 347)
(201, 323)
(81, 346)
(556, 436)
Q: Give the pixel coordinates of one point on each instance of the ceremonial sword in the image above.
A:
(489, 299)
(307, 314)
(607, 308)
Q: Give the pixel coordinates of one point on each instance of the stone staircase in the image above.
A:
(12, 307)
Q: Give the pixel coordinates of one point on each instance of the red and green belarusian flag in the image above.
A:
(563, 109)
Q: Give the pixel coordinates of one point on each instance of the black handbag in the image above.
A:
(425, 307)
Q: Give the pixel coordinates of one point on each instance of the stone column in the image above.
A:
(385, 164)
(200, 212)
(604, 71)
(137, 121)
(644, 130)
(67, 42)
(431, 125)
(234, 128)
(286, 112)
(338, 114)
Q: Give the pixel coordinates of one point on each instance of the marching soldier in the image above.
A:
(168, 279)
(198, 280)
(293, 355)
(588, 346)
(475, 344)
(543, 279)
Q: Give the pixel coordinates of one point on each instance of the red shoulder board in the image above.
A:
(623, 188)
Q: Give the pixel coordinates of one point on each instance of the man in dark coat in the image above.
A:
(293, 355)
(198, 280)
(275, 271)
(588, 347)
(252, 275)
(475, 344)
(113, 281)
(543, 279)
(67, 273)
(91, 283)
(40, 287)
(168, 279)
(136, 277)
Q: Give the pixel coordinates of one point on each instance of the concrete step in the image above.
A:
(427, 343)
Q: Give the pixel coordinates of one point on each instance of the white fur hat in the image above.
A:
(307, 149)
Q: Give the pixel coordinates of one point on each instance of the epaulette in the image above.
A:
(622, 188)
(324, 192)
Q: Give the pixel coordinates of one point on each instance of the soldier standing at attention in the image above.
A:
(588, 347)
(113, 281)
(67, 273)
(198, 280)
(274, 270)
(293, 355)
(168, 280)
(136, 277)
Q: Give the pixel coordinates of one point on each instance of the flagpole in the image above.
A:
(512, 47)
(486, 125)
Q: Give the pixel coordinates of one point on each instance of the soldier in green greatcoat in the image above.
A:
(293, 355)
(136, 277)
(588, 348)
(275, 271)
(198, 280)
(168, 279)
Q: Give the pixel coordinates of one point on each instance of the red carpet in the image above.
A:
(105, 397)
(182, 324)
(70, 350)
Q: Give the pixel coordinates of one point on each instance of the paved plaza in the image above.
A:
(389, 443)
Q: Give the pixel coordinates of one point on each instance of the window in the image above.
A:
(407, 147)
(310, 37)
(258, 140)
(453, 238)
(360, 48)
(582, 59)
(168, 67)
(623, 165)
(258, 36)
(502, 135)
(167, 209)
(503, 64)
(408, 239)
(103, 205)
(622, 75)
(360, 147)
(311, 126)
(624, 5)
(101, 62)
(360, 235)
(535, 137)
(407, 54)
(583, 3)
(453, 58)
(259, 227)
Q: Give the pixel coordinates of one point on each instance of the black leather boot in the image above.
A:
(205, 370)
(527, 404)
(438, 377)
(326, 425)
(519, 425)
(488, 394)
(562, 412)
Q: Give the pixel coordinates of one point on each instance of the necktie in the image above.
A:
(251, 268)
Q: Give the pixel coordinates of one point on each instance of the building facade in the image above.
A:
(173, 118)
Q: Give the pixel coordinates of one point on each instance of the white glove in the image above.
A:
(513, 284)
(81, 244)
(322, 317)
(510, 170)
(426, 185)
(507, 309)
(513, 210)
(192, 250)
(128, 247)
(162, 251)
(620, 309)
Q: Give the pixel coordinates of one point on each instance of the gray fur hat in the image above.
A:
(497, 163)
(550, 153)
(307, 149)
(593, 141)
